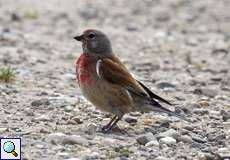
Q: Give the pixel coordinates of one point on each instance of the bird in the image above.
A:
(106, 82)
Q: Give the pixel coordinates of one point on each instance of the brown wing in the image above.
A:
(112, 70)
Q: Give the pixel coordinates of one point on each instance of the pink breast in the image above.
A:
(84, 69)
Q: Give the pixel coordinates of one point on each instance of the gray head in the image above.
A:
(95, 42)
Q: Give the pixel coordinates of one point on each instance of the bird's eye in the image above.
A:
(91, 35)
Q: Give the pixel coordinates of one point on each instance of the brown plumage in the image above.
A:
(107, 83)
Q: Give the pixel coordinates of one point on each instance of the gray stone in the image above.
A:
(77, 120)
(152, 143)
(169, 133)
(199, 139)
(225, 115)
(39, 102)
(143, 139)
(161, 158)
(163, 85)
(43, 118)
(68, 108)
(74, 139)
(91, 128)
(224, 153)
(3, 129)
(201, 111)
(130, 119)
(70, 76)
(55, 138)
(167, 140)
(208, 92)
(185, 139)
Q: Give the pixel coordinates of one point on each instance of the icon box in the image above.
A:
(6, 154)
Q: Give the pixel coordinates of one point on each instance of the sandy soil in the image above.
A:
(179, 48)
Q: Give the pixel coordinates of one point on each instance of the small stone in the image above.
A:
(130, 119)
(209, 92)
(163, 85)
(169, 133)
(77, 120)
(91, 128)
(185, 139)
(167, 140)
(63, 154)
(224, 153)
(39, 102)
(73, 159)
(29, 112)
(68, 108)
(71, 77)
(199, 139)
(135, 114)
(215, 115)
(161, 158)
(41, 118)
(2, 130)
(143, 139)
(189, 128)
(15, 17)
(74, 139)
(163, 123)
(43, 130)
(40, 146)
(225, 115)
(204, 103)
(152, 143)
(200, 111)
(55, 138)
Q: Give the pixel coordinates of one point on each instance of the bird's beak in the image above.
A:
(79, 38)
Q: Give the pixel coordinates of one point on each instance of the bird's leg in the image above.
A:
(113, 124)
(108, 125)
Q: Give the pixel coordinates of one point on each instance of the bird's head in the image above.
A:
(95, 42)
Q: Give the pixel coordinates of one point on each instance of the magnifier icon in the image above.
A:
(9, 147)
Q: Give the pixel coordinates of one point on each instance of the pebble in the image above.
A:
(204, 103)
(161, 158)
(152, 143)
(71, 77)
(39, 102)
(43, 118)
(167, 140)
(189, 128)
(224, 153)
(185, 139)
(169, 133)
(163, 85)
(55, 138)
(199, 139)
(143, 139)
(2, 130)
(77, 120)
(91, 128)
(68, 108)
(130, 119)
(200, 111)
(74, 139)
(163, 123)
(209, 92)
(60, 138)
(225, 115)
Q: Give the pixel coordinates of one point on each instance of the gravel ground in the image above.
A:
(179, 48)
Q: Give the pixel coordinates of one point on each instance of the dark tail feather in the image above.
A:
(160, 108)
